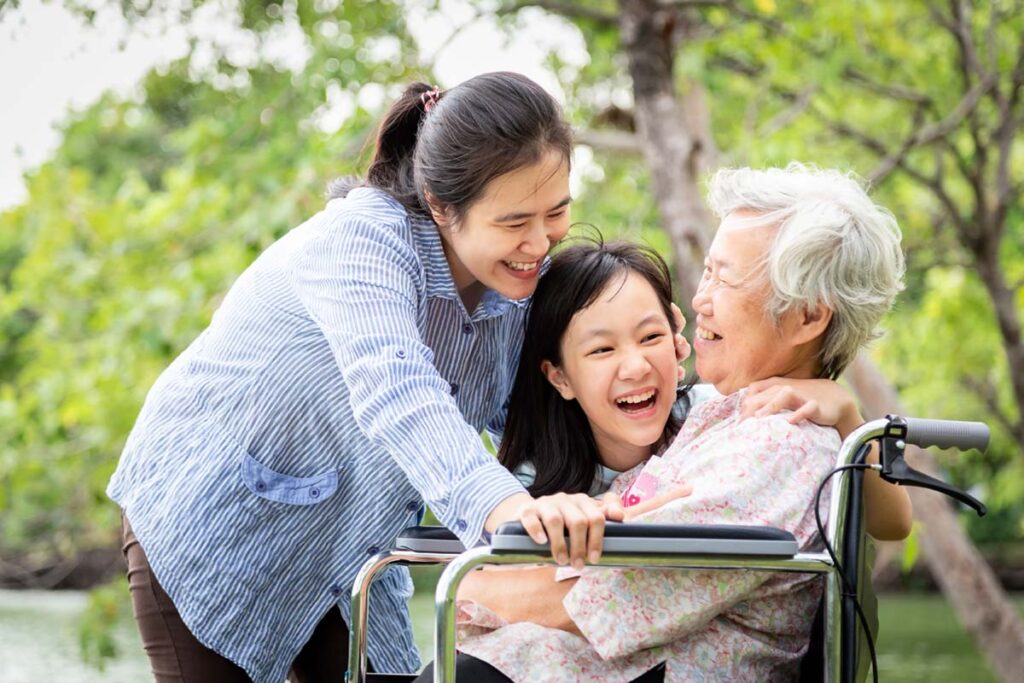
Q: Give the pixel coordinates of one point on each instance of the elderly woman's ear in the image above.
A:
(812, 324)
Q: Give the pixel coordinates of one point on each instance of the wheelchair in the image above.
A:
(718, 547)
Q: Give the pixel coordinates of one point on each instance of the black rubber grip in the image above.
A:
(947, 433)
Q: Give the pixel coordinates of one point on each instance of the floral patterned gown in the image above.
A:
(706, 625)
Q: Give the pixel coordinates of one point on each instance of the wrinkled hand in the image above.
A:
(682, 346)
(550, 516)
(616, 511)
(821, 401)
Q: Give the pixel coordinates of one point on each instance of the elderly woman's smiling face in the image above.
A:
(736, 343)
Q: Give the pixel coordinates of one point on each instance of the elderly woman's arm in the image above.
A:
(888, 510)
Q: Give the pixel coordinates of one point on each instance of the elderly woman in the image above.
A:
(800, 272)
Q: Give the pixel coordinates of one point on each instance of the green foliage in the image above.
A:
(153, 204)
(107, 606)
(134, 229)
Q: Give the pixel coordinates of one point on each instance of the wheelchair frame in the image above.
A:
(844, 534)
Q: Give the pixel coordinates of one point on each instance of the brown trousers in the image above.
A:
(175, 655)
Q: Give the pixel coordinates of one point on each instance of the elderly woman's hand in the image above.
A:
(616, 511)
(821, 401)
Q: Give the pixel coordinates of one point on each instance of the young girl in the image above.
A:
(343, 382)
(595, 396)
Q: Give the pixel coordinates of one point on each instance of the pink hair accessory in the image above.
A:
(430, 98)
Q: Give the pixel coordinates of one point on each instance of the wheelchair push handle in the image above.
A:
(947, 434)
(899, 432)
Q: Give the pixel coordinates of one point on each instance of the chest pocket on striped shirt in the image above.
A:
(282, 488)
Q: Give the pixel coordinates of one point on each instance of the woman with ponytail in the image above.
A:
(341, 386)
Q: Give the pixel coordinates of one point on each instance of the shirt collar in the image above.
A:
(440, 283)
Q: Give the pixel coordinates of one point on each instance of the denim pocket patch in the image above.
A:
(282, 488)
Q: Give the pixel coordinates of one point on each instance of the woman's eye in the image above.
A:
(556, 215)
(515, 226)
(599, 350)
(654, 336)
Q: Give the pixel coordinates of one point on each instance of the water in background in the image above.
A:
(920, 641)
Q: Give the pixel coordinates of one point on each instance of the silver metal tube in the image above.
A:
(360, 597)
(357, 627)
(447, 585)
(836, 524)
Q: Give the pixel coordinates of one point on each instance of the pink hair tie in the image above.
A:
(430, 98)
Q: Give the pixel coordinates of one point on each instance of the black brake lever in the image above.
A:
(895, 470)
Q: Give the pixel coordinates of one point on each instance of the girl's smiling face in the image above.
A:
(619, 363)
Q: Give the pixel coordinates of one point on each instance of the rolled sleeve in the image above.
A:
(362, 284)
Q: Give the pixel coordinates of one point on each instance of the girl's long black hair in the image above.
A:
(490, 125)
(542, 428)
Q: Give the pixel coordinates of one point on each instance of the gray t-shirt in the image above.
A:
(526, 473)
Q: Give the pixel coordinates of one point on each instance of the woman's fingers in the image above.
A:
(580, 517)
(554, 524)
(530, 519)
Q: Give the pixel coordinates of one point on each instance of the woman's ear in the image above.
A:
(557, 379)
(814, 322)
(437, 209)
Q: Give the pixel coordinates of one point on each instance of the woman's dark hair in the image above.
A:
(488, 126)
(542, 428)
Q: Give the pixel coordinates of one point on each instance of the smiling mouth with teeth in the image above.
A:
(516, 265)
(637, 402)
(706, 334)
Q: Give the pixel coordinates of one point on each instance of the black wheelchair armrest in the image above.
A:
(668, 539)
(428, 539)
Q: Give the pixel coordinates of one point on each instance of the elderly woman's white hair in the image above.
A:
(833, 246)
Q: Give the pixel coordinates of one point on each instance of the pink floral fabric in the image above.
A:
(707, 625)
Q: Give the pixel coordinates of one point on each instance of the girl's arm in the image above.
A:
(887, 506)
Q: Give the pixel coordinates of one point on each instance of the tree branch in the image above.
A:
(615, 141)
(566, 8)
(985, 391)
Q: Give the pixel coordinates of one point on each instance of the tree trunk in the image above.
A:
(671, 151)
(967, 581)
(668, 145)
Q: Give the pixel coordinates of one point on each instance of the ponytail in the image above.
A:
(453, 143)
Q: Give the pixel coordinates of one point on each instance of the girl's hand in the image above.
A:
(821, 401)
(682, 346)
(616, 511)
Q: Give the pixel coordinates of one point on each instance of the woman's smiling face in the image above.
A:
(501, 240)
(619, 363)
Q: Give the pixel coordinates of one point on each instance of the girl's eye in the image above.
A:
(654, 336)
(599, 350)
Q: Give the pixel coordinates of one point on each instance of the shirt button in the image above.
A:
(412, 506)
(467, 328)
(460, 525)
(260, 486)
(400, 353)
(335, 590)
(314, 492)
(372, 550)
(455, 388)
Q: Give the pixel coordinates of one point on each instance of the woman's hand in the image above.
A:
(821, 401)
(548, 517)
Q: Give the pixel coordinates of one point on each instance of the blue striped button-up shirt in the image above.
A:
(340, 385)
